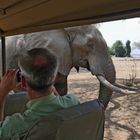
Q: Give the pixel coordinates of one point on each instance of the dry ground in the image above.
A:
(123, 112)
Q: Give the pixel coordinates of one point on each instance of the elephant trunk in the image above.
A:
(104, 71)
(105, 92)
(107, 81)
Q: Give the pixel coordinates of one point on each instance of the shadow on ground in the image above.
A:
(122, 114)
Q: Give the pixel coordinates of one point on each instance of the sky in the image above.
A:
(123, 30)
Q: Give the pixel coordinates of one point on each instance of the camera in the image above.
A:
(18, 76)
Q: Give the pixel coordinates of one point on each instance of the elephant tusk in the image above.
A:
(112, 87)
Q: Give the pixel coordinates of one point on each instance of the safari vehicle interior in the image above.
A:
(85, 121)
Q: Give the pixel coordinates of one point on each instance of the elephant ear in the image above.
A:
(11, 52)
(59, 45)
(20, 42)
(65, 63)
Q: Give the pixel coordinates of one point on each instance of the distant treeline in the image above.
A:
(118, 49)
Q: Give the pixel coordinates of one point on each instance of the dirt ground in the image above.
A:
(123, 112)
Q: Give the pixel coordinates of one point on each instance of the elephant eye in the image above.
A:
(90, 44)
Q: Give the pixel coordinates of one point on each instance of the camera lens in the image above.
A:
(18, 77)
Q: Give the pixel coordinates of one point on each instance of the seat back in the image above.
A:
(15, 103)
(82, 122)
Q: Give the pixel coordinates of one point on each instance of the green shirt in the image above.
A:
(18, 124)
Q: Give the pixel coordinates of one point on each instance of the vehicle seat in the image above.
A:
(82, 122)
(16, 102)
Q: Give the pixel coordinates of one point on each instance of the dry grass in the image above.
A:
(123, 112)
(128, 70)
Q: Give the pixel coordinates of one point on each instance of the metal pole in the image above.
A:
(3, 54)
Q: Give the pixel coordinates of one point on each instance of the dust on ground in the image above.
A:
(123, 112)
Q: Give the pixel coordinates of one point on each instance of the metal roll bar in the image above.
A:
(3, 53)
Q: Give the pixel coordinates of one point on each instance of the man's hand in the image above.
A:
(8, 82)
(54, 91)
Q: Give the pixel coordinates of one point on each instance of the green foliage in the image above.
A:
(119, 49)
(111, 51)
(128, 48)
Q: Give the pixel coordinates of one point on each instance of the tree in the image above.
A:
(111, 51)
(119, 49)
(128, 48)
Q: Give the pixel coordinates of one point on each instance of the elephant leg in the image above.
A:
(61, 84)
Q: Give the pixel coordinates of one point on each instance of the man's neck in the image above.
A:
(35, 94)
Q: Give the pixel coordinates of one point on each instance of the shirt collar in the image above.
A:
(40, 101)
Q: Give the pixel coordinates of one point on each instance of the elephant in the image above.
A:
(82, 46)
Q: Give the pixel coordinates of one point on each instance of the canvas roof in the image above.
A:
(22, 16)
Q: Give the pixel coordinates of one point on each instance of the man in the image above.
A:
(38, 71)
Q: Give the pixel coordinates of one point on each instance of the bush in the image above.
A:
(111, 51)
(119, 49)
